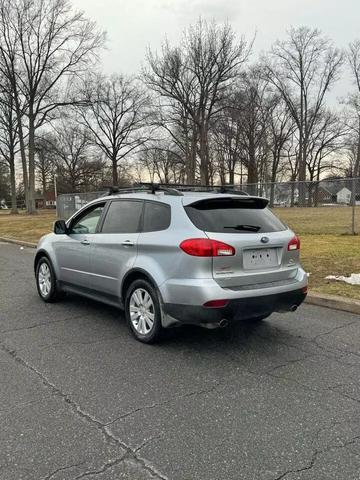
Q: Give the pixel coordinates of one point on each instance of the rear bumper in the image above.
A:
(238, 309)
(183, 300)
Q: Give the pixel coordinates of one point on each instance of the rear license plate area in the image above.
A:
(260, 258)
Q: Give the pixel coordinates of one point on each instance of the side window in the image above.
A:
(123, 216)
(88, 221)
(156, 217)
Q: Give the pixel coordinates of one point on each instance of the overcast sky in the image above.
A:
(134, 25)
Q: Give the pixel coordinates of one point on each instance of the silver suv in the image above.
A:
(169, 257)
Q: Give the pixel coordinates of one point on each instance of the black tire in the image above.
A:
(154, 334)
(54, 293)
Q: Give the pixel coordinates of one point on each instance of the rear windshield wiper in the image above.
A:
(245, 228)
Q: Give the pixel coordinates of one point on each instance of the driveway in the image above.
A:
(79, 398)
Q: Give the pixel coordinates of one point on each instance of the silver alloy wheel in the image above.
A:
(142, 311)
(44, 279)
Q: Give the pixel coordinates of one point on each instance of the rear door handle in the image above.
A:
(128, 243)
(85, 242)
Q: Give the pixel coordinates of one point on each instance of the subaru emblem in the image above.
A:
(264, 239)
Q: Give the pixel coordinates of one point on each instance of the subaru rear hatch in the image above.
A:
(259, 249)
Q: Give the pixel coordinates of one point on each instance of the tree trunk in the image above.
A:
(302, 171)
(252, 169)
(292, 199)
(204, 156)
(43, 181)
(22, 148)
(31, 207)
(232, 176)
(274, 168)
(14, 209)
(115, 176)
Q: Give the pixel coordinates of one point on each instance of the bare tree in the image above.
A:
(42, 43)
(172, 121)
(114, 110)
(353, 57)
(163, 163)
(9, 140)
(252, 104)
(326, 139)
(77, 163)
(227, 140)
(196, 76)
(280, 132)
(45, 161)
(302, 69)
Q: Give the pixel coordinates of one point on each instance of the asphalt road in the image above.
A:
(79, 398)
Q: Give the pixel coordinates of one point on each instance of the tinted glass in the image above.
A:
(156, 217)
(233, 216)
(87, 222)
(123, 217)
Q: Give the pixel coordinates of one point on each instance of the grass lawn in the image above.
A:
(26, 227)
(326, 246)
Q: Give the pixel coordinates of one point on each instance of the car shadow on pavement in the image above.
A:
(251, 335)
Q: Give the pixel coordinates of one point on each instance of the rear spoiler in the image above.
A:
(243, 202)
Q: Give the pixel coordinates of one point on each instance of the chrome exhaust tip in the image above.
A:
(293, 308)
(223, 323)
(211, 326)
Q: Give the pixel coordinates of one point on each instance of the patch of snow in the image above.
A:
(354, 278)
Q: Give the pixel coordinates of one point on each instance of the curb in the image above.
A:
(322, 300)
(18, 242)
(334, 302)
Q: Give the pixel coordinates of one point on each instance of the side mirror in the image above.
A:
(60, 227)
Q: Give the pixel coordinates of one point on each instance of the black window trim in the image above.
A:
(143, 215)
(84, 212)
(106, 209)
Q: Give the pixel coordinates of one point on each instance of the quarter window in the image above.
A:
(156, 217)
(123, 217)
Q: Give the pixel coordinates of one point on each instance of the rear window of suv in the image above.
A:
(232, 215)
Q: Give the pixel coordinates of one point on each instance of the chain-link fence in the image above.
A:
(324, 206)
(321, 207)
(69, 203)
(308, 194)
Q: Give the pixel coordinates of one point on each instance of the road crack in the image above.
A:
(42, 324)
(165, 402)
(51, 475)
(318, 452)
(85, 416)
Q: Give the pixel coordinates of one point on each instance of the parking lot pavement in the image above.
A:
(80, 398)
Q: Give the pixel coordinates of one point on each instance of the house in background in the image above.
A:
(324, 193)
(50, 200)
(47, 201)
(343, 196)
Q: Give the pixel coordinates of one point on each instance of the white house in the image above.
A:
(343, 196)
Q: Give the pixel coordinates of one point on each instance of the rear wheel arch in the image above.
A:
(136, 274)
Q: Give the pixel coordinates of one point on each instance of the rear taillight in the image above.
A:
(294, 244)
(204, 247)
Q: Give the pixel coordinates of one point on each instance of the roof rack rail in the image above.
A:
(183, 187)
(142, 187)
(159, 187)
(175, 189)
